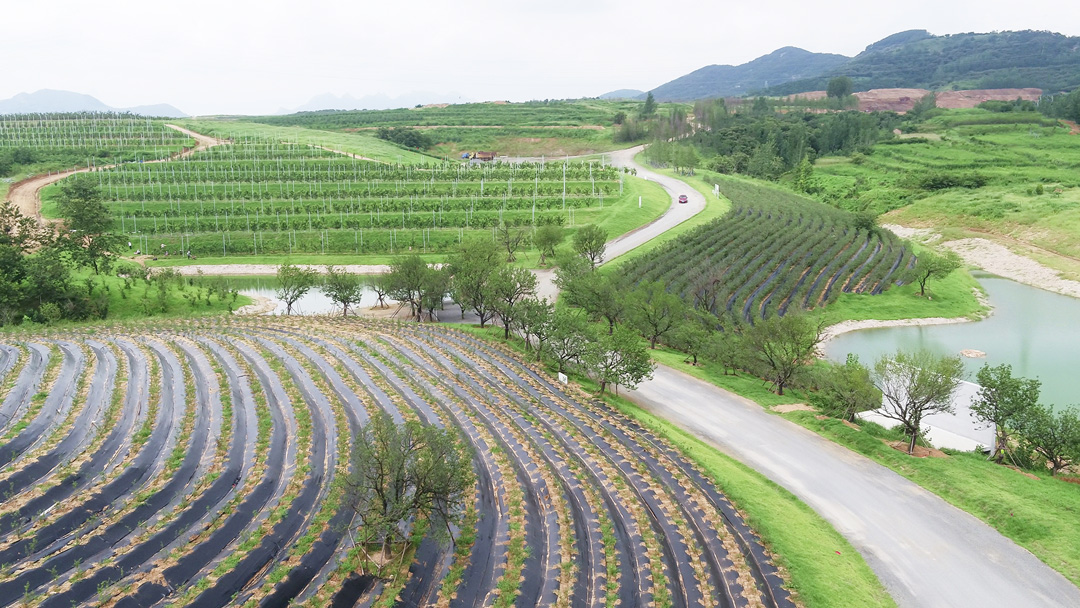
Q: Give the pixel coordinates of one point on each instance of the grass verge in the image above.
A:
(1040, 514)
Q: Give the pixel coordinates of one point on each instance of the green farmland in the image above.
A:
(265, 197)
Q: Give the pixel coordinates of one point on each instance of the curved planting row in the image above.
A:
(774, 251)
(204, 465)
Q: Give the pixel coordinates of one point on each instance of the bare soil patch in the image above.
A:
(792, 407)
(902, 100)
(920, 451)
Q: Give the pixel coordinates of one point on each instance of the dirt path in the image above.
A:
(26, 194)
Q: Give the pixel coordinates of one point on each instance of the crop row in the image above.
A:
(202, 464)
(768, 257)
(113, 132)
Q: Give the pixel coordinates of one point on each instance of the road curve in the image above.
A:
(675, 215)
(926, 552)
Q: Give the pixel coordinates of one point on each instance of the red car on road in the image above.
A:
(682, 198)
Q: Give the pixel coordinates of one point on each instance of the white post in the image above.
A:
(639, 202)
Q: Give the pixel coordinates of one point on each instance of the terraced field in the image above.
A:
(201, 464)
(267, 197)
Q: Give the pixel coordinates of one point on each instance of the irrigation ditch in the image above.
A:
(200, 463)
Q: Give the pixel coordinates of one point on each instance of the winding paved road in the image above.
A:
(925, 551)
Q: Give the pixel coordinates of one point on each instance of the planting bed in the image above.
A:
(200, 463)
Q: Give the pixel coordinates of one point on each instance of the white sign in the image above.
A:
(563, 378)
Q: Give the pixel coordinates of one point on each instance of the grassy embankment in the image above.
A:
(1029, 201)
(803, 544)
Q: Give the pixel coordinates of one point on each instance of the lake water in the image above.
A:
(313, 302)
(1035, 331)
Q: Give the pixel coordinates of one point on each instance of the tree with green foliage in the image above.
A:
(1053, 435)
(534, 320)
(590, 241)
(915, 385)
(783, 346)
(865, 221)
(1003, 401)
(343, 288)
(761, 107)
(404, 473)
(405, 283)
(764, 163)
(649, 109)
(509, 286)
(293, 283)
(547, 238)
(380, 285)
(88, 221)
(925, 104)
(619, 359)
(654, 311)
(839, 89)
(569, 337)
(803, 179)
(728, 348)
(845, 390)
(691, 335)
(433, 290)
(512, 239)
(686, 159)
(620, 118)
(930, 265)
(471, 269)
(601, 296)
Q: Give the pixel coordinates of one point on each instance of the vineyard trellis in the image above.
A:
(259, 196)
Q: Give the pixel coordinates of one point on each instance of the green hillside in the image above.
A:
(917, 59)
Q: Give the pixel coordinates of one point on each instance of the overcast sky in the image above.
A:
(256, 57)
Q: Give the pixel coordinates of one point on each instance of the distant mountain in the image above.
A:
(624, 94)
(782, 65)
(378, 101)
(48, 100)
(918, 59)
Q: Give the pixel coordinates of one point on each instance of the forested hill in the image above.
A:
(782, 65)
(918, 59)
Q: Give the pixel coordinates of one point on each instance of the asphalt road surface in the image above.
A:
(675, 215)
(926, 552)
